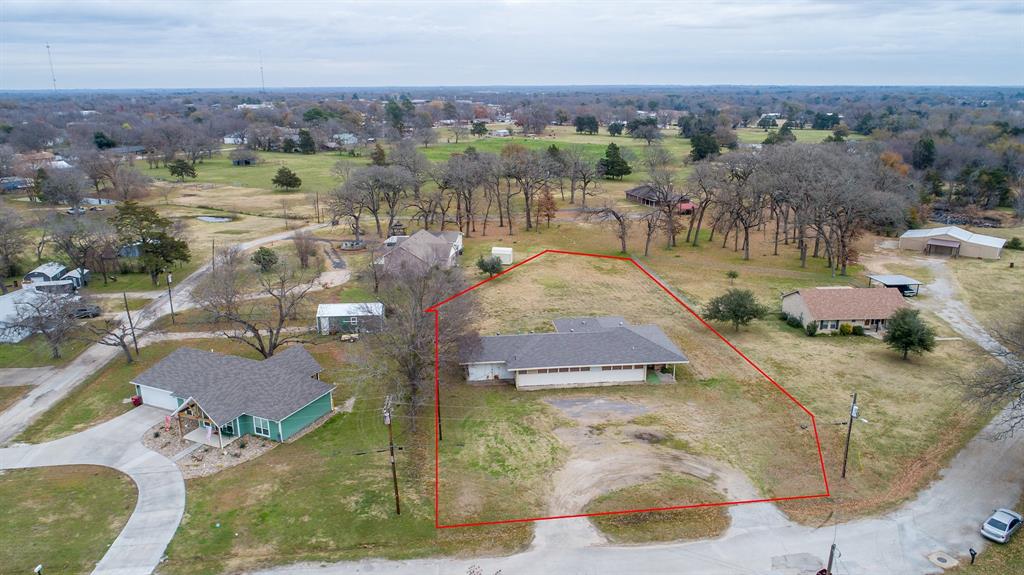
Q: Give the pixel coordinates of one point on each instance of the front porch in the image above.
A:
(210, 437)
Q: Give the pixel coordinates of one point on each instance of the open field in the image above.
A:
(805, 136)
(62, 517)
(663, 491)
(993, 289)
(103, 396)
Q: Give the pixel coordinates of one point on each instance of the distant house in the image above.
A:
(952, 241)
(345, 139)
(829, 307)
(349, 318)
(224, 397)
(127, 150)
(581, 352)
(648, 196)
(47, 272)
(500, 133)
(14, 184)
(423, 248)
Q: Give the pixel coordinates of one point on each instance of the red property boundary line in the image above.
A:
(434, 309)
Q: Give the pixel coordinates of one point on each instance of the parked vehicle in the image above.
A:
(1001, 525)
(86, 311)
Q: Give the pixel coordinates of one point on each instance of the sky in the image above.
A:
(219, 43)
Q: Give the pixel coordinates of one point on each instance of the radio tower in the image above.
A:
(263, 85)
(53, 76)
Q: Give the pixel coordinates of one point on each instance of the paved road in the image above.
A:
(944, 517)
(117, 444)
(55, 386)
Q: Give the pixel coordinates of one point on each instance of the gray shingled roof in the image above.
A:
(605, 340)
(226, 386)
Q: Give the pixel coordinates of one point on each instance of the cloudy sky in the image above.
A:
(218, 43)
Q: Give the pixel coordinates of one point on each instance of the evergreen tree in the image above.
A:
(923, 156)
(489, 266)
(612, 165)
(306, 143)
(378, 157)
(703, 146)
(907, 332)
(479, 129)
(265, 258)
(736, 306)
(180, 168)
(615, 128)
(286, 179)
(103, 141)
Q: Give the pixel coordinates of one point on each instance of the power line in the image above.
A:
(53, 76)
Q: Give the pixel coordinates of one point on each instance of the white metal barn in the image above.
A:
(349, 317)
(581, 352)
(503, 254)
(952, 241)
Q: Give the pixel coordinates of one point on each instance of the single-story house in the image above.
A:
(228, 396)
(504, 255)
(581, 352)
(500, 133)
(64, 285)
(13, 184)
(829, 307)
(908, 286)
(952, 241)
(423, 248)
(349, 317)
(47, 272)
(648, 196)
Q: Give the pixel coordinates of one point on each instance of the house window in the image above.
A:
(261, 426)
(228, 429)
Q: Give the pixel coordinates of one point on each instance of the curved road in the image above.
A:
(117, 444)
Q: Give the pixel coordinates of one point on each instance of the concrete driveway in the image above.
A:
(117, 444)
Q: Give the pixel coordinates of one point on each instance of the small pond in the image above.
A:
(213, 219)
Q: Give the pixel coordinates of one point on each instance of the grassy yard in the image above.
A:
(103, 396)
(141, 282)
(9, 395)
(61, 517)
(33, 351)
(666, 490)
(992, 288)
(327, 496)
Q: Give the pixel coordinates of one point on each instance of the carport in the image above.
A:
(942, 247)
(908, 286)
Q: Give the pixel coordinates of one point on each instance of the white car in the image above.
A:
(1001, 525)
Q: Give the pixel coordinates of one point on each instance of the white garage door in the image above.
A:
(158, 398)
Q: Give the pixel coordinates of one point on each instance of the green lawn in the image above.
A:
(666, 490)
(805, 136)
(141, 282)
(102, 396)
(61, 517)
(314, 169)
(33, 351)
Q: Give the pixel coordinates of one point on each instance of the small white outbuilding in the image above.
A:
(504, 255)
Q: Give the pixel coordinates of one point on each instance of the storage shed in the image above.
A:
(952, 241)
(503, 254)
(349, 317)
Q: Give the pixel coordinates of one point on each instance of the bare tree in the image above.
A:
(305, 247)
(408, 339)
(609, 212)
(257, 317)
(382, 189)
(996, 385)
(652, 223)
(129, 183)
(113, 332)
(48, 315)
(583, 173)
(65, 186)
(406, 155)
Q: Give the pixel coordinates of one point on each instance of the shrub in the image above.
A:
(794, 321)
(811, 329)
(156, 434)
(784, 316)
(241, 444)
(845, 329)
(1015, 243)
(858, 330)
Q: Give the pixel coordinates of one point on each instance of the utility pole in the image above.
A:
(53, 76)
(130, 323)
(391, 446)
(849, 431)
(170, 299)
(831, 556)
(213, 253)
(437, 403)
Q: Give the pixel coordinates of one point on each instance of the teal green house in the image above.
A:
(218, 398)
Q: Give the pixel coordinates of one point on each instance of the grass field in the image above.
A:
(62, 517)
(666, 490)
(103, 396)
(33, 351)
(993, 289)
(141, 282)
